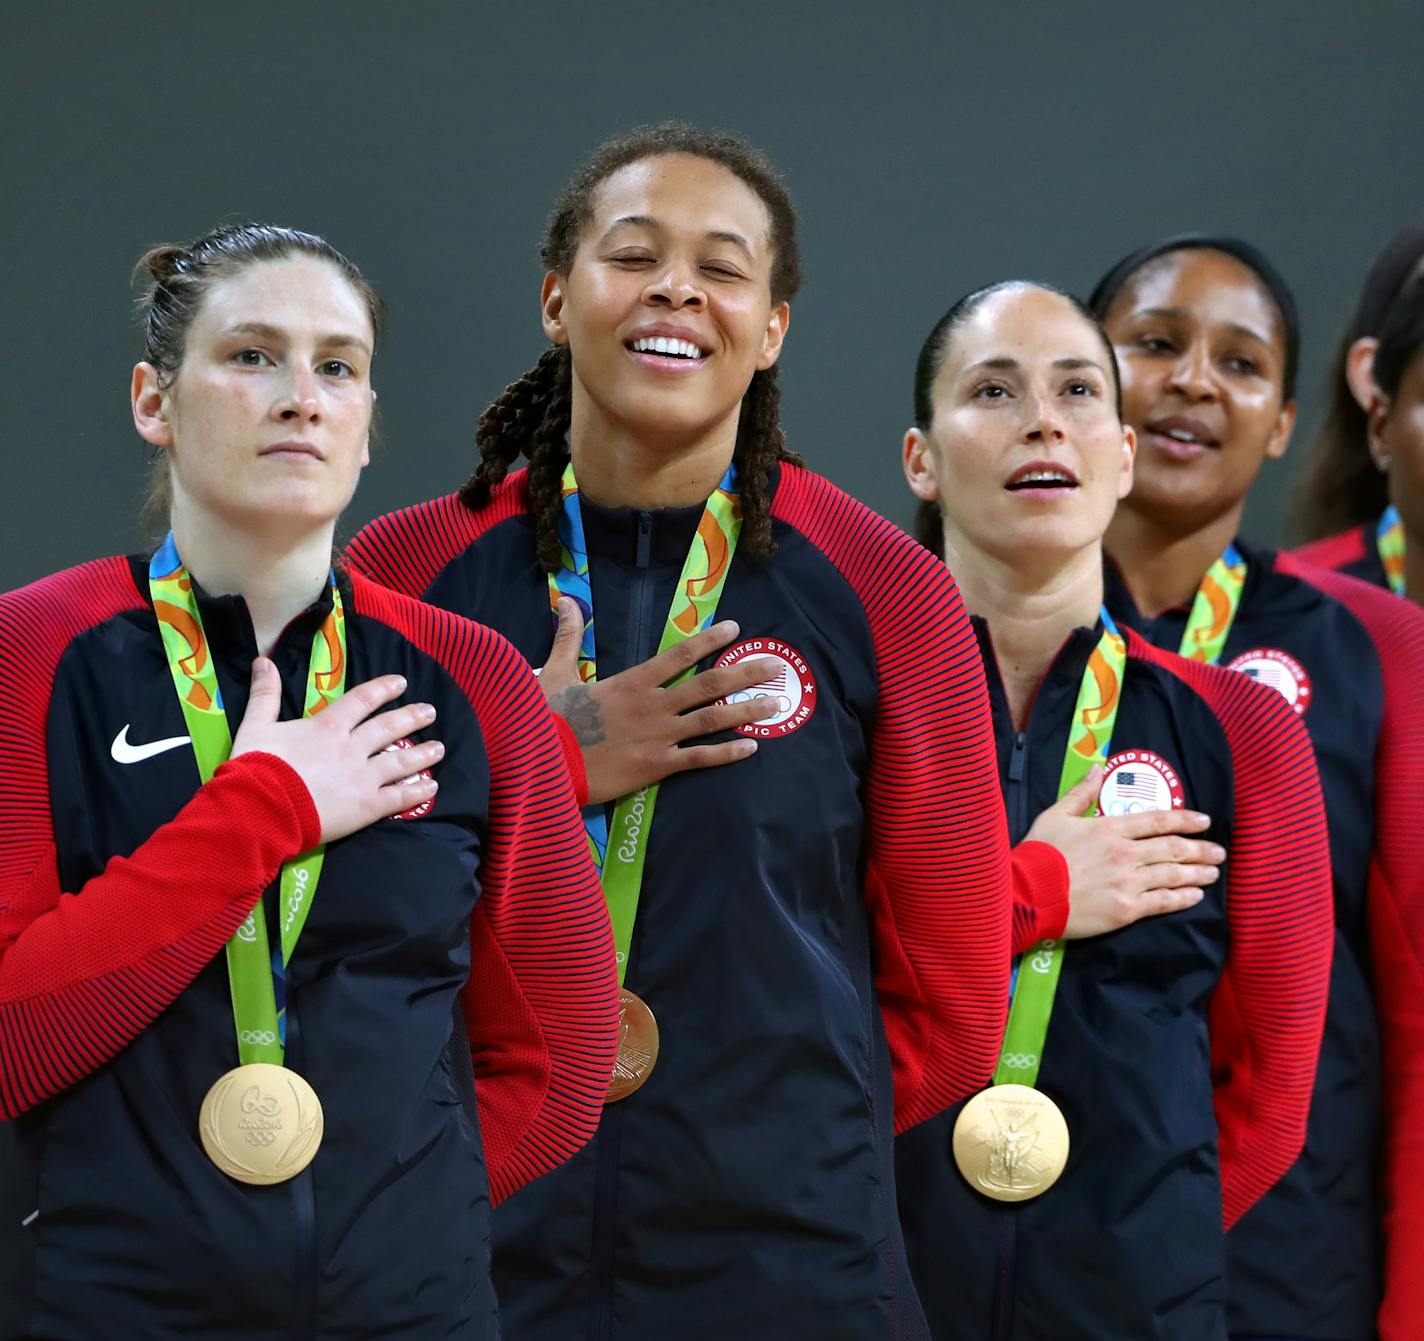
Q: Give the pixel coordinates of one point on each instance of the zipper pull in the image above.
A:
(1016, 759)
(645, 539)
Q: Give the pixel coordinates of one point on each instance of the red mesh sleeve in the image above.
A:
(1396, 916)
(1268, 1011)
(937, 870)
(406, 550)
(1040, 892)
(542, 1002)
(81, 974)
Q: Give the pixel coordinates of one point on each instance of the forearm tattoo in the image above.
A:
(577, 706)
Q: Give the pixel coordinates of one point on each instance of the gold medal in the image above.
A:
(1010, 1142)
(637, 1047)
(261, 1123)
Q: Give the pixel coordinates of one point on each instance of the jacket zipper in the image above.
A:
(304, 1220)
(610, 1130)
(1006, 1235)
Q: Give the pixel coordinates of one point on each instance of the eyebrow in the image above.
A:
(1181, 314)
(1004, 363)
(266, 332)
(647, 221)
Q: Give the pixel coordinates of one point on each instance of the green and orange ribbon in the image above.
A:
(1214, 609)
(1089, 742)
(619, 846)
(256, 973)
(1389, 538)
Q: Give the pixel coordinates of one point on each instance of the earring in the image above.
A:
(1382, 464)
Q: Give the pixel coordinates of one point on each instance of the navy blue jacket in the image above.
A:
(828, 913)
(120, 881)
(1306, 1261)
(1180, 1049)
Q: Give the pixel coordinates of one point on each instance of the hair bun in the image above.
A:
(161, 263)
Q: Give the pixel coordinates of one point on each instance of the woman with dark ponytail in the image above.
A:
(285, 1005)
(815, 953)
(1347, 507)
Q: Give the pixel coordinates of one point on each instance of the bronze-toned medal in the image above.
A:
(637, 1047)
(261, 1123)
(1011, 1142)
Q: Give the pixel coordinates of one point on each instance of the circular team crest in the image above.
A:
(791, 685)
(423, 809)
(1138, 780)
(1280, 670)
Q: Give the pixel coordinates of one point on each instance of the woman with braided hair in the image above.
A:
(813, 945)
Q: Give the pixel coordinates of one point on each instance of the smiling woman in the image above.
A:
(431, 1032)
(819, 932)
(1204, 328)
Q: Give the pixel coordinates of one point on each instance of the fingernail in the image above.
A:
(1218, 852)
(749, 747)
(400, 684)
(1199, 818)
(427, 713)
(727, 628)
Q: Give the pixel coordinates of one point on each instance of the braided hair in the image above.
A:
(531, 417)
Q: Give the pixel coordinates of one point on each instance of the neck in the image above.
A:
(1163, 568)
(1030, 607)
(619, 469)
(1414, 567)
(278, 577)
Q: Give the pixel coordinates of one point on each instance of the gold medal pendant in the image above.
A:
(637, 1047)
(1011, 1142)
(261, 1124)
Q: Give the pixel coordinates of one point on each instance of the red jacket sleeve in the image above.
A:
(1039, 874)
(937, 861)
(1268, 1011)
(82, 973)
(1396, 917)
(406, 550)
(541, 1006)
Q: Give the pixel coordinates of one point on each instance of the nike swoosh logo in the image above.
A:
(124, 753)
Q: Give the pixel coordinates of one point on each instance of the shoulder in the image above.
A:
(39, 621)
(1391, 622)
(1333, 551)
(406, 550)
(1250, 713)
(874, 555)
(483, 663)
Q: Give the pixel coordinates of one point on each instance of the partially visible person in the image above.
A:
(1180, 1050)
(1346, 505)
(1207, 340)
(291, 992)
(1389, 551)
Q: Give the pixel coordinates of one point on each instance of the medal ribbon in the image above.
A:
(256, 973)
(1089, 740)
(1214, 609)
(619, 846)
(1389, 536)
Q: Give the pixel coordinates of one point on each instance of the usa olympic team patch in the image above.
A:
(1137, 781)
(792, 686)
(423, 809)
(1280, 670)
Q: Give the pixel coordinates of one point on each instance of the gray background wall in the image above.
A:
(930, 148)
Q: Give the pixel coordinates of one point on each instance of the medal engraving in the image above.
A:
(1010, 1142)
(261, 1124)
(637, 1047)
